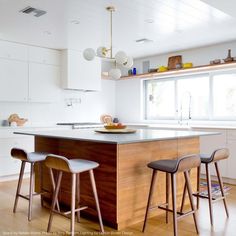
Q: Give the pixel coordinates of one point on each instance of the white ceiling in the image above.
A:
(178, 24)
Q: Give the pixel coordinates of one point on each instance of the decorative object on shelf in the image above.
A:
(188, 65)
(173, 61)
(15, 119)
(130, 72)
(215, 62)
(146, 65)
(115, 120)
(134, 71)
(120, 58)
(5, 123)
(229, 58)
(162, 69)
(106, 119)
(151, 70)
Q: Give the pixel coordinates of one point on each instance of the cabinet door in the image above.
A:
(13, 80)
(231, 144)
(44, 82)
(44, 55)
(13, 51)
(79, 73)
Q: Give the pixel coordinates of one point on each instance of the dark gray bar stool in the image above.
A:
(172, 167)
(30, 158)
(74, 167)
(215, 157)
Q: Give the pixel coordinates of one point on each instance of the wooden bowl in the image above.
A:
(114, 126)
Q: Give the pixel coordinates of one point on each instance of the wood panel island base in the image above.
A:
(122, 179)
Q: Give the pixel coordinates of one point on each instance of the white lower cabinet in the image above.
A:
(9, 165)
(44, 83)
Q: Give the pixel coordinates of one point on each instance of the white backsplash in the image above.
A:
(73, 106)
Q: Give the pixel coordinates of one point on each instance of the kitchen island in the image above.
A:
(122, 177)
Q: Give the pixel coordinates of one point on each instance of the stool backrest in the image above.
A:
(220, 154)
(188, 162)
(19, 153)
(58, 163)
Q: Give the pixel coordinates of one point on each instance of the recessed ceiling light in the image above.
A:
(75, 22)
(144, 40)
(149, 21)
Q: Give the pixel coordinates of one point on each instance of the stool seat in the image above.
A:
(217, 155)
(173, 166)
(72, 166)
(32, 157)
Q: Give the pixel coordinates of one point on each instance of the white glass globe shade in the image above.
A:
(121, 57)
(115, 73)
(89, 54)
(101, 52)
(129, 62)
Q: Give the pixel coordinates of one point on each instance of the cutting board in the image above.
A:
(115, 131)
(172, 61)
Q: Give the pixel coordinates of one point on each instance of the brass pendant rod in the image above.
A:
(111, 32)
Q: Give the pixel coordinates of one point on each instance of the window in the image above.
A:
(203, 96)
(224, 95)
(160, 101)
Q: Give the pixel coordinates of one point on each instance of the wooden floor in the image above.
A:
(17, 224)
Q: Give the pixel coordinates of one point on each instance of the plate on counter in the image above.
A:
(115, 131)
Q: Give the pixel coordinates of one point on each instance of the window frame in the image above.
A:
(209, 74)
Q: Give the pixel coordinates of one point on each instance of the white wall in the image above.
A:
(129, 97)
(92, 105)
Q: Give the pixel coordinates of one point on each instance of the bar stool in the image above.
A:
(172, 167)
(30, 158)
(74, 167)
(215, 157)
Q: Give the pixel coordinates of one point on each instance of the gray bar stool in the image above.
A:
(30, 158)
(74, 167)
(215, 157)
(172, 167)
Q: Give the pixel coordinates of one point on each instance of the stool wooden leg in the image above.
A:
(78, 196)
(198, 184)
(40, 180)
(183, 197)
(72, 219)
(209, 192)
(167, 196)
(31, 187)
(54, 199)
(173, 187)
(53, 186)
(19, 185)
(221, 188)
(153, 181)
(190, 192)
(96, 199)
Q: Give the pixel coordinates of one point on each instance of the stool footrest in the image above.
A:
(26, 197)
(214, 199)
(66, 213)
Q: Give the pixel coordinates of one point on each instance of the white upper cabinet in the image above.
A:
(44, 55)
(44, 83)
(13, 51)
(29, 73)
(13, 80)
(79, 74)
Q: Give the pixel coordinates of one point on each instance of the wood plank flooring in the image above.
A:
(17, 224)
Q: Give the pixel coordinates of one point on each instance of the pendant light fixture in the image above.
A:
(120, 58)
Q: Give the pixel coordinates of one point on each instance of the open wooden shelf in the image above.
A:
(195, 70)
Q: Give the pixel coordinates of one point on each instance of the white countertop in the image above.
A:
(141, 135)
